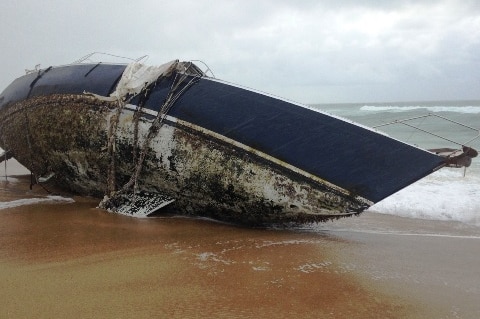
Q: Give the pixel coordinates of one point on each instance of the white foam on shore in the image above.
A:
(445, 195)
(8, 179)
(33, 201)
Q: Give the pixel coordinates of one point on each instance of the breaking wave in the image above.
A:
(33, 201)
(434, 109)
(445, 195)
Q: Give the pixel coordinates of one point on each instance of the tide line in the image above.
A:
(33, 201)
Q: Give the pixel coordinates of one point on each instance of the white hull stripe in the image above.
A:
(247, 149)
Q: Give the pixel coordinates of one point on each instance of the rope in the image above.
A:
(27, 124)
(136, 121)
(6, 151)
(111, 147)
(173, 95)
(33, 177)
(154, 129)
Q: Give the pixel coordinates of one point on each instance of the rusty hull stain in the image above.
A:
(205, 174)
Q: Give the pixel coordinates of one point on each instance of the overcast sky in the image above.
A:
(310, 51)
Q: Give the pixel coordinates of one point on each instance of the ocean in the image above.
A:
(450, 194)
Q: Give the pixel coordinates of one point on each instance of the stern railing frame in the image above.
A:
(404, 122)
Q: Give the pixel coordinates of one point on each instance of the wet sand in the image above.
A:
(73, 260)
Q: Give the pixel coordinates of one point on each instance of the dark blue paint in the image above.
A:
(93, 78)
(366, 163)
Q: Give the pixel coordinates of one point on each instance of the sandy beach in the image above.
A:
(62, 258)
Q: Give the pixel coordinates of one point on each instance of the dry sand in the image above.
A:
(71, 260)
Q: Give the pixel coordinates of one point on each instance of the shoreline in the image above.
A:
(440, 273)
(66, 259)
(179, 268)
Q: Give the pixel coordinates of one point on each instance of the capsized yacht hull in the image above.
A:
(210, 147)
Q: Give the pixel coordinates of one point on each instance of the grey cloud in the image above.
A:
(309, 51)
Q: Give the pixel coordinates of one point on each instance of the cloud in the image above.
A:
(333, 51)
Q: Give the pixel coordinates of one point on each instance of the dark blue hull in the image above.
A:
(359, 161)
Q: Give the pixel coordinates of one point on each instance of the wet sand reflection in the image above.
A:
(60, 260)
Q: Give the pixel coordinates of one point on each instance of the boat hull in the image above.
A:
(206, 174)
(220, 151)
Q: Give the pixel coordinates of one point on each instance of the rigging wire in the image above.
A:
(88, 56)
(178, 87)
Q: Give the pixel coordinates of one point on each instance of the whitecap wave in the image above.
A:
(33, 201)
(434, 109)
(445, 195)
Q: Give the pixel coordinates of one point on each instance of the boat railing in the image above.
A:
(88, 56)
(207, 68)
(407, 122)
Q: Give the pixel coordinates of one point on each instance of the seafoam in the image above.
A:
(445, 195)
(33, 201)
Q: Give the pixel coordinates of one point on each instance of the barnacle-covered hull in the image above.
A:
(206, 175)
(218, 150)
